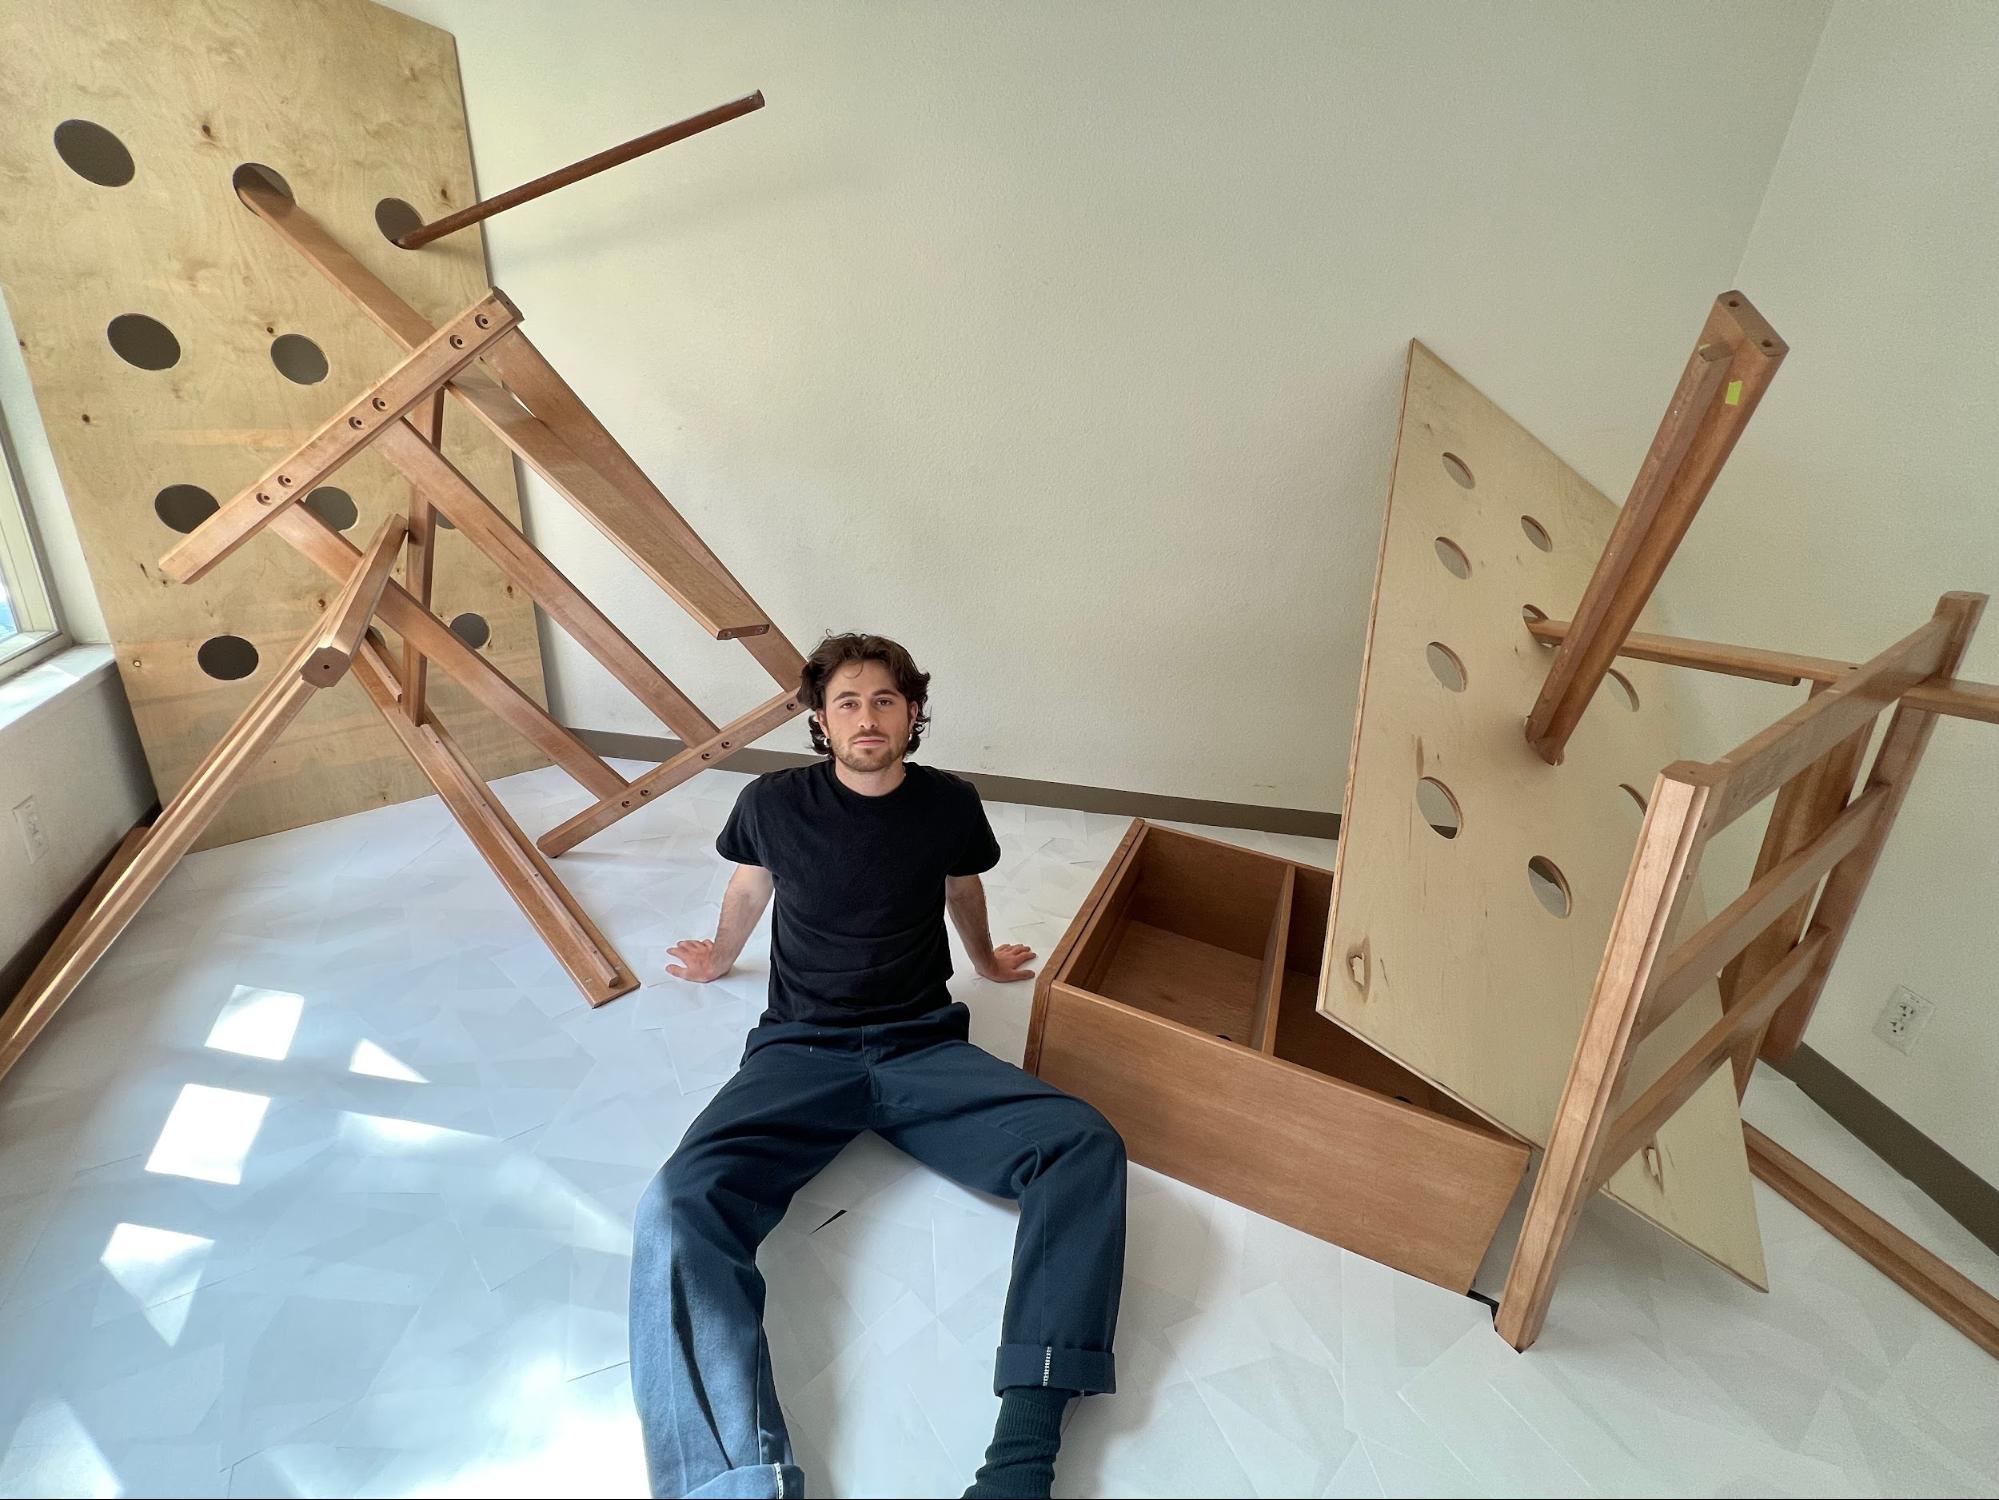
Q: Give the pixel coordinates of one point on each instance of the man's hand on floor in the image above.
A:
(1008, 963)
(697, 961)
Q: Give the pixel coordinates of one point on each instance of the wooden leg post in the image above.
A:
(1654, 890)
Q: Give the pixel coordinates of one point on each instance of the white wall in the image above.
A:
(1064, 341)
(1866, 488)
(77, 754)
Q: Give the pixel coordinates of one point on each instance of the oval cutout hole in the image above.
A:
(1551, 886)
(93, 153)
(1624, 687)
(332, 505)
(1459, 470)
(226, 657)
(184, 506)
(1452, 556)
(1445, 664)
(1533, 616)
(298, 358)
(1439, 807)
(471, 629)
(1537, 533)
(143, 341)
(255, 172)
(1634, 794)
(396, 218)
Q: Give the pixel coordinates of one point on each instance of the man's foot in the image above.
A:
(1020, 1464)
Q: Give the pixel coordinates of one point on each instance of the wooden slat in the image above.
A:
(1765, 761)
(1953, 697)
(493, 534)
(1697, 960)
(1654, 890)
(376, 410)
(584, 952)
(347, 617)
(336, 556)
(1805, 807)
(583, 462)
(1053, 967)
(1641, 1120)
(1270, 982)
(733, 736)
(1894, 768)
(616, 496)
(1945, 1291)
(178, 826)
(1733, 362)
(418, 577)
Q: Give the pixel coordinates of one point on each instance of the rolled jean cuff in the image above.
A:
(753, 1482)
(1089, 1371)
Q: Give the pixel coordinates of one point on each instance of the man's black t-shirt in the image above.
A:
(858, 932)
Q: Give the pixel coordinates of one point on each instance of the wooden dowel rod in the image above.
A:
(1953, 697)
(590, 166)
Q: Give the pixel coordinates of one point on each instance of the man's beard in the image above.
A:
(869, 758)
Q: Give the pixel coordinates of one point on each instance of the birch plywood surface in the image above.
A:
(349, 103)
(1439, 951)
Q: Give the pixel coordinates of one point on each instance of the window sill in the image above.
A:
(35, 690)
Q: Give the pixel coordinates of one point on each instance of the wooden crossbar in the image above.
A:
(349, 431)
(690, 762)
(556, 435)
(1701, 957)
(1765, 761)
(1641, 1121)
(1810, 753)
(481, 523)
(1952, 697)
(1733, 362)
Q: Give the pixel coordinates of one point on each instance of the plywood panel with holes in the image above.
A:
(351, 104)
(1442, 950)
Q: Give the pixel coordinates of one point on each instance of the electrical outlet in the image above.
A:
(1903, 1018)
(29, 821)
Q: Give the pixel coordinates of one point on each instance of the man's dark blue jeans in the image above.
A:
(700, 1366)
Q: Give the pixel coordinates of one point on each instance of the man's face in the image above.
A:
(866, 718)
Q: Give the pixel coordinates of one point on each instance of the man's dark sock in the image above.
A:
(1020, 1464)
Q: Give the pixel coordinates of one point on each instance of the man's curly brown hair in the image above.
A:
(838, 651)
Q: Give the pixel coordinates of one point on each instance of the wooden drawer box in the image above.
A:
(1182, 1002)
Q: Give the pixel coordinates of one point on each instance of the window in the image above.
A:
(29, 630)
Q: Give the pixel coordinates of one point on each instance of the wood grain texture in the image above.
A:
(1669, 849)
(1382, 1178)
(1733, 362)
(1438, 951)
(1945, 1291)
(1953, 697)
(1058, 959)
(350, 102)
(353, 608)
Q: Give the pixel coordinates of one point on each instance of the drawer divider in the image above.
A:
(1270, 986)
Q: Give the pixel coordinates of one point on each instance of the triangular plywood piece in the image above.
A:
(1440, 952)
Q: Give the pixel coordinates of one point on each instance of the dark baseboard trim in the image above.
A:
(14, 973)
(1318, 825)
(1957, 1190)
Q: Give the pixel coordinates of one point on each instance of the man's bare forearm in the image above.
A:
(965, 898)
(743, 905)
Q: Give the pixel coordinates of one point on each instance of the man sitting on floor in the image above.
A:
(864, 852)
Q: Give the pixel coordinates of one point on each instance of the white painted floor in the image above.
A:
(322, 1185)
